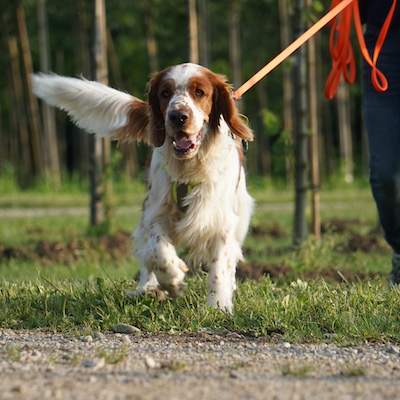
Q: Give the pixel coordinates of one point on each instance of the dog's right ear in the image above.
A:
(156, 128)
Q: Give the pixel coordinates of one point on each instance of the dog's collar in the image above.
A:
(179, 190)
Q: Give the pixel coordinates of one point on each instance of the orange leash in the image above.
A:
(292, 48)
(343, 62)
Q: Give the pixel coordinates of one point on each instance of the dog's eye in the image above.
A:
(166, 94)
(199, 93)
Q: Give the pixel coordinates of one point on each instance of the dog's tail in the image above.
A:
(95, 107)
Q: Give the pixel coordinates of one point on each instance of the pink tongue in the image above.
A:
(185, 142)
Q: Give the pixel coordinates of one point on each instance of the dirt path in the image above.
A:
(80, 211)
(38, 365)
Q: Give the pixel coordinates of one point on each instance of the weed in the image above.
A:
(298, 371)
(353, 371)
(174, 365)
(12, 353)
(114, 356)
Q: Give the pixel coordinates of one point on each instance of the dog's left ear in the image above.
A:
(223, 104)
(156, 128)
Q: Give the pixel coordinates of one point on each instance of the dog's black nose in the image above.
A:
(178, 117)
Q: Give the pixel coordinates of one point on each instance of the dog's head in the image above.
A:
(186, 103)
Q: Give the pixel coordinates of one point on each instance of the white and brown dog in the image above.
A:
(196, 190)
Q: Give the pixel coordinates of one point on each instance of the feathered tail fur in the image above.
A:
(95, 107)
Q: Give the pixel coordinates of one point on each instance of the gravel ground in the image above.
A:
(42, 365)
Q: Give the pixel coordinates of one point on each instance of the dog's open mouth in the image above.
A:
(184, 144)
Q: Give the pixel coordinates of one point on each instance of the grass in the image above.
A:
(114, 356)
(298, 371)
(88, 294)
(354, 371)
(299, 312)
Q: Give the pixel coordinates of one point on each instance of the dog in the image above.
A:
(196, 186)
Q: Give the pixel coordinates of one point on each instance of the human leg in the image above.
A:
(382, 119)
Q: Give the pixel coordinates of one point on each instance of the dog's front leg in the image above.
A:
(159, 257)
(221, 280)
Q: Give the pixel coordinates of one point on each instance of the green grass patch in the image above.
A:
(54, 274)
(299, 312)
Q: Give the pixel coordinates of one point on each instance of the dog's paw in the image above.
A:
(176, 290)
(222, 304)
(153, 292)
(171, 278)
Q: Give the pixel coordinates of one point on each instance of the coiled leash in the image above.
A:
(343, 62)
(340, 47)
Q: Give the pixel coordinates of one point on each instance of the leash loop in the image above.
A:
(379, 80)
(343, 61)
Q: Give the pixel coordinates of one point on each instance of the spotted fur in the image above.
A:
(193, 124)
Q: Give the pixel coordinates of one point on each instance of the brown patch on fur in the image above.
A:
(201, 91)
(136, 128)
(223, 104)
(164, 91)
(156, 117)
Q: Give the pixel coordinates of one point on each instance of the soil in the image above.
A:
(119, 245)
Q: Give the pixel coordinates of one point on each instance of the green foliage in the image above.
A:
(8, 180)
(271, 122)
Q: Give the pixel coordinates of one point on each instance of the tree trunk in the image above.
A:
(51, 158)
(34, 115)
(288, 123)
(345, 137)
(18, 118)
(301, 134)
(151, 43)
(100, 209)
(262, 150)
(83, 62)
(204, 37)
(314, 142)
(234, 43)
(129, 149)
(193, 33)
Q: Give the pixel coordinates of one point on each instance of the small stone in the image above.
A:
(286, 345)
(95, 363)
(126, 329)
(234, 375)
(87, 339)
(393, 350)
(35, 355)
(234, 335)
(151, 363)
(98, 335)
(125, 339)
